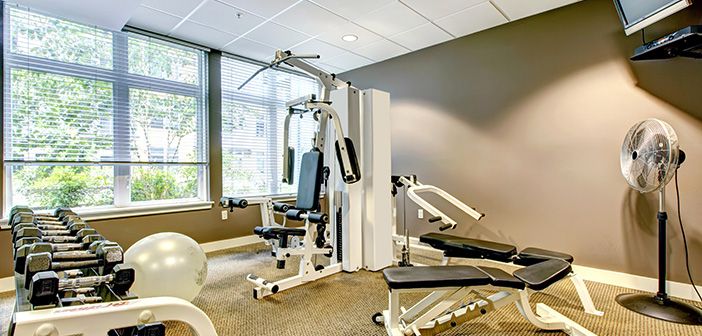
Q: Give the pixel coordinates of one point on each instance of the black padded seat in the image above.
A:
(540, 276)
(534, 255)
(275, 231)
(500, 278)
(434, 277)
(461, 247)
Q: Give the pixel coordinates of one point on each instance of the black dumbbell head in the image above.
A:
(123, 278)
(44, 288)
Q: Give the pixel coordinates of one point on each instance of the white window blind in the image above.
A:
(252, 128)
(100, 118)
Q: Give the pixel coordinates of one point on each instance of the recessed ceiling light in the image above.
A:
(349, 38)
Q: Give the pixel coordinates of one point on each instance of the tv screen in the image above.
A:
(638, 14)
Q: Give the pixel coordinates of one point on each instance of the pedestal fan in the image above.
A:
(649, 159)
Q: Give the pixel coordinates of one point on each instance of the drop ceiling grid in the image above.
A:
(386, 28)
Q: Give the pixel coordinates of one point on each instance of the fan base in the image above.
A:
(662, 309)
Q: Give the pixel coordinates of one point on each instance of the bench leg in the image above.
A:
(549, 319)
(584, 295)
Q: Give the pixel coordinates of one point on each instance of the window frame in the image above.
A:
(122, 82)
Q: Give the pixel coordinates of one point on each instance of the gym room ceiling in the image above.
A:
(257, 28)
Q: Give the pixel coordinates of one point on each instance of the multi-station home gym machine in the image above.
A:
(354, 229)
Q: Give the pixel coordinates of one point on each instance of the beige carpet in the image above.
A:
(342, 304)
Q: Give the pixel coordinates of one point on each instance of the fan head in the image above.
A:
(649, 155)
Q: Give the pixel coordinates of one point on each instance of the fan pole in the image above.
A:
(661, 306)
(662, 251)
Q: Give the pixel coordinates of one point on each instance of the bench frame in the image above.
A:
(399, 321)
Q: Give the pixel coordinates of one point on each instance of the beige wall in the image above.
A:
(525, 122)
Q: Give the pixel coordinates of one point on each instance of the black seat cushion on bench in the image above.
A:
(534, 255)
(455, 246)
(540, 276)
(278, 230)
(434, 277)
(500, 278)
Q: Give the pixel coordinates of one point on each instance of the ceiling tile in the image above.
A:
(108, 14)
(179, 8)
(433, 10)
(317, 47)
(519, 9)
(224, 17)
(352, 9)
(276, 35)
(309, 18)
(251, 49)
(421, 37)
(381, 50)
(197, 33)
(365, 36)
(403, 19)
(155, 21)
(472, 20)
(264, 8)
(348, 61)
(330, 68)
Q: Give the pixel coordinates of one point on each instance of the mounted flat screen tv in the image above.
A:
(638, 14)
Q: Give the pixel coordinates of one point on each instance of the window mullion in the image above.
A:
(121, 121)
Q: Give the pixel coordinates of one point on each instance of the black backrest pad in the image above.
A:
(434, 277)
(456, 246)
(310, 181)
(534, 255)
(543, 274)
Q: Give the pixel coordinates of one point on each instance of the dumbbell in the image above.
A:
(57, 236)
(74, 225)
(34, 230)
(46, 285)
(82, 245)
(19, 219)
(19, 209)
(106, 259)
(58, 251)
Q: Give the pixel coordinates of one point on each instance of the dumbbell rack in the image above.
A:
(118, 313)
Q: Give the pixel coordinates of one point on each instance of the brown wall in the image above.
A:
(525, 122)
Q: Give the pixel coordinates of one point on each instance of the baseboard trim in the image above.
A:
(230, 243)
(8, 284)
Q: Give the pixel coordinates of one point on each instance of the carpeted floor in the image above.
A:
(342, 304)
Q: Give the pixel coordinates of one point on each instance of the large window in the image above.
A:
(100, 118)
(252, 128)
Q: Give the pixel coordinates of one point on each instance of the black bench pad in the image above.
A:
(541, 275)
(500, 278)
(533, 255)
(462, 247)
(276, 231)
(434, 277)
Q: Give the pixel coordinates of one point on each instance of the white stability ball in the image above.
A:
(167, 264)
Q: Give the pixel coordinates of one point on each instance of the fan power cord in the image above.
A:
(687, 255)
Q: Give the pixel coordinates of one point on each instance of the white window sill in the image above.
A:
(141, 210)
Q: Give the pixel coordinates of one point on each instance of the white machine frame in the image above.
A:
(99, 318)
(358, 206)
(399, 321)
(414, 187)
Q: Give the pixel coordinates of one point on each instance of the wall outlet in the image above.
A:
(225, 214)
(420, 213)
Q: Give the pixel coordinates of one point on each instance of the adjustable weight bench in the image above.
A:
(451, 284)
(461, 247)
